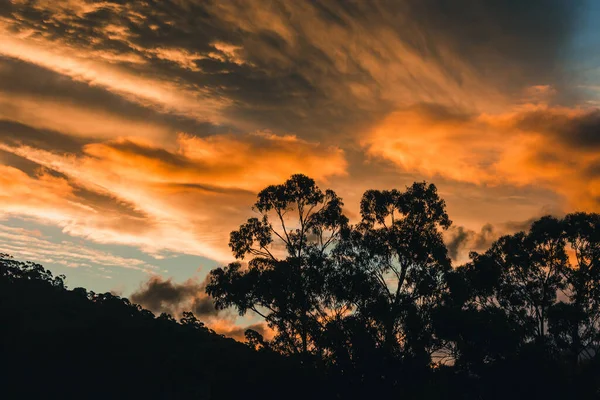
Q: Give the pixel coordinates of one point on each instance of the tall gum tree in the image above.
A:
(398, 255)
(286, 279)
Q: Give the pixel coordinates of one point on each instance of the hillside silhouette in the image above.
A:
(365, 310)
(67, 344)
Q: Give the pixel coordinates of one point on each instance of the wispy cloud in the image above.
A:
(32, 245)
(187, 200)
(85, 66)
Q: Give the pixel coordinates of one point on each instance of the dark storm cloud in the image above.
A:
(203, 306)
(437, 113)
(211, 189)
(463, 240)
(519, 226)
(163, 295)
(577, 130)
(110, 205)
(159, 295)
(531, 34)
(593, 170)
(457, 241)
(175, 161)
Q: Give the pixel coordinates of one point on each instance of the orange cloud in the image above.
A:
(74, 119)
(454, 146)
(57, 200)
(84, 65)
(187, 200)
(370, 61)
(533, 145)
(234, 330)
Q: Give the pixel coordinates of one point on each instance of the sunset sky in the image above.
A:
(134, 135)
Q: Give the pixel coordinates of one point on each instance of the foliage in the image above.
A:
(379, 301)
(287, 280)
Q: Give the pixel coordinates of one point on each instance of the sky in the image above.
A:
(134, 135)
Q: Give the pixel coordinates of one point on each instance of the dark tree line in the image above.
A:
(379, 304)
(373, 309)
(58, 343)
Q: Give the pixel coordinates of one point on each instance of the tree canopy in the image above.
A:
(380, 300)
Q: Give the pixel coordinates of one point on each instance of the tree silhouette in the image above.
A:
(575, 323)
(398, 258)
(286, 280)
(355, 295)
(507, 293)
(503, 318)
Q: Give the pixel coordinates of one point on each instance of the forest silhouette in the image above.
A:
(365, 310)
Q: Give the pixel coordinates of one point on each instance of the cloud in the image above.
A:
(187, 200)
(435, 140)
(84, 66)
(74, 120)
(159, 295)
(460, 240)
(552, 147)
(15, 133)
(54, 198)
(239, 332)
(163, 295)
(308, 67)
(32, 245)
(30, 83)
(576, 129)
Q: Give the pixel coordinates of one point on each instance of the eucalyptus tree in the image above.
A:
(394, 262)
(286, 279)
(503, 300)
(575, 321)
(521, 274)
